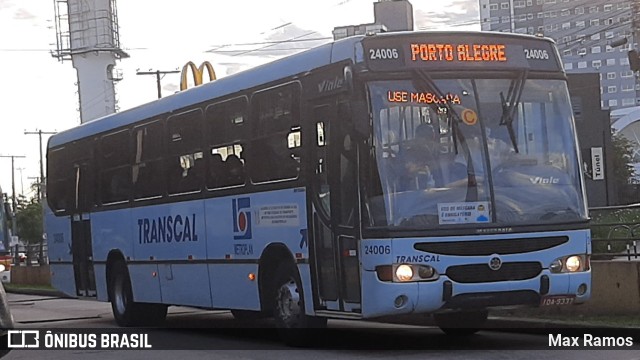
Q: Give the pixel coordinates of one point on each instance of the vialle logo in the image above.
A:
(242, 218)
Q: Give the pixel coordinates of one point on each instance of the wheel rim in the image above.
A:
(288, 303)
(120, 299)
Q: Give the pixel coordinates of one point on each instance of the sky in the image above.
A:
(40, 93)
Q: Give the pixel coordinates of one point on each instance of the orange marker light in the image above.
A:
(252, 276)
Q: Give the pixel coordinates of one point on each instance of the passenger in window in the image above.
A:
(235, 170)
(216, 171)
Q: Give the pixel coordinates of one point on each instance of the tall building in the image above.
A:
(390, 15)
(593, 36)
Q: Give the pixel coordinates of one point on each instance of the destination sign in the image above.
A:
(459, 52)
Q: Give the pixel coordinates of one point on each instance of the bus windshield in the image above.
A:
(448, 152)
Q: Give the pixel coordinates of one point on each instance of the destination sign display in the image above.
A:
(459, 52)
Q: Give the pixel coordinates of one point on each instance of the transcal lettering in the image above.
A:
(167, 229)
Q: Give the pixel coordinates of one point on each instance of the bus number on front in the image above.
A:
(383, 54)
(377, 249)
(536, 54)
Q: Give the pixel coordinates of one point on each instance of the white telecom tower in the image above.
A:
(87, 34)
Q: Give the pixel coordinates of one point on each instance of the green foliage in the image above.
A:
(622, 159)
(614, 229)
(623, 170)
(29, 220)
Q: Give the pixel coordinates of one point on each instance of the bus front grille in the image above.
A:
(489, 247)
(478, 273)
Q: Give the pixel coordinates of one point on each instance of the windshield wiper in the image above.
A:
(510, 105)
(458, 137)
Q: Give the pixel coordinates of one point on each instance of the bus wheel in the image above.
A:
(461, 323)
(288, 310)
(121, 296)
(127, 312)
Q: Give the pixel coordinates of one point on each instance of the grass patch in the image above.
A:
(10, 286)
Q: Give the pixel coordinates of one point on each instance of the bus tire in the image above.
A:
(126, 312)
(288, 308)
(461, 323)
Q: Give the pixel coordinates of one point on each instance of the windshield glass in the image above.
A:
(473, 151)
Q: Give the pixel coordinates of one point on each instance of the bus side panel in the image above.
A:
(100, 271)
(173, 235)
(59, 249)
(239, 229)
(62, 278)
(234, 289)
(110, 230)
(144, 284)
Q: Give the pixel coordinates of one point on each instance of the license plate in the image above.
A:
(559, 300)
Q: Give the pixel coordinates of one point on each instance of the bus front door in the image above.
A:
(335, 212)
(81, 246)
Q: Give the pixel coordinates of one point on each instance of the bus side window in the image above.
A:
(115, 171)
(185, 164)
(225, 128)
(59, 179)
(275, 150)
(147, 164)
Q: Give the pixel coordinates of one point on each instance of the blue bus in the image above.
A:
(383, 175)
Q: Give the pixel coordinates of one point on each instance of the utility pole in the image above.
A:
(157, 73)
(42, 179)
(14, 226)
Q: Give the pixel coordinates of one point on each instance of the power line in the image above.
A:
(284, 41)
(274, 42)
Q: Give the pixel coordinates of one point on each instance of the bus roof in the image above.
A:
(282, 68)
(295, 64)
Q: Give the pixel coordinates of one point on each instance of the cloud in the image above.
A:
(286, 41)
(460, 13)
(22, 14)
(170, 88)
(232, 68)
(5, 4)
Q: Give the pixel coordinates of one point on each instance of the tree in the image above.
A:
(624, 175)
(29, 221)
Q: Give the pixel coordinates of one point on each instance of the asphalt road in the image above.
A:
(215, 334)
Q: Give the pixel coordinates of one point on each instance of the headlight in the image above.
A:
(404, 272)
(556, 266)
(573, 263)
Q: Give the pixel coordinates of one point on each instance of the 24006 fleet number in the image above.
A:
(383, 54)
(377, 249)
